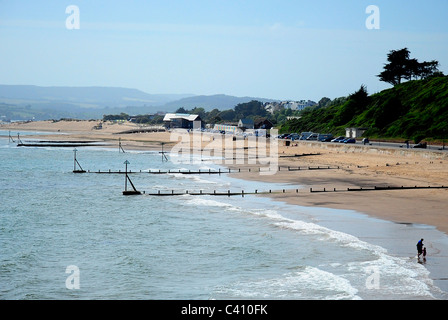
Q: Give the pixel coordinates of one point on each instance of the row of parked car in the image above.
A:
(342, 139)
(291, 136)
(316, 137)
(307, 136)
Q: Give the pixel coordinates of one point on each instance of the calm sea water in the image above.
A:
(189, 247)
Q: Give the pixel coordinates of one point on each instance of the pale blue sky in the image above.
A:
(272, 49)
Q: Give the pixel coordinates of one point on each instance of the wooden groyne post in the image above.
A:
(10, 138)
(75, 161)
(127, 192)
(19, 142)
(164, 158)
(120, 148)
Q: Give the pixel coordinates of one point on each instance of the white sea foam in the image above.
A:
(191, 177)
(200, 201)
(398, 275)
(309, 283)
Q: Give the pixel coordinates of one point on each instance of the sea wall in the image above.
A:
(430, 154)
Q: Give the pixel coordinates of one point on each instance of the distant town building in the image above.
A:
(263, 124)
(300, 105)
(293, 105)
(246, 124)
(270, 106)
(183, 121)
(354, 132)
(227, 128)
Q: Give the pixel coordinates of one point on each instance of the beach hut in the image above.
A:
(354, 132)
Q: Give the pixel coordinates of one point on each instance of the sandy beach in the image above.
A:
(359, 166)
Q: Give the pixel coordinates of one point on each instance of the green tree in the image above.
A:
(111, 117)
(181, 110)
(252, 108)
(397, 68)
(324, 102)
(400, 67)
(228, 115)
(213, 116)
(428, 68)
(200, 111)
(355, 105)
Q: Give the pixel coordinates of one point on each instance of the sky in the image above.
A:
(283, 49)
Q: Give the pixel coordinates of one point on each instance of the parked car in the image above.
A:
(421, 145)
(325, 137)
(305, 135)
(294, 136)
(350, 140)
(313, 136)
(338, 139)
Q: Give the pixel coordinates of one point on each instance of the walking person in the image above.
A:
(420, 247)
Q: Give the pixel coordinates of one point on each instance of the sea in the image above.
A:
(75, 236)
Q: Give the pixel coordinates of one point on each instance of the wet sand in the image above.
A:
(359, 166)
(353, 166)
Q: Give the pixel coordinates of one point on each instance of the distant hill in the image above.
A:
(414, 110)
(25, 102)
(218, 101)
(88, 97)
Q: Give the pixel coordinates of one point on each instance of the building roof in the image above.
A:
(247, 122)
(263, 121)
(189, 117)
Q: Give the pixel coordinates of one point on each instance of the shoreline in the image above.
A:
(359, 167)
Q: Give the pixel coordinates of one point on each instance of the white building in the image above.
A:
(354, 132)
(299, 105)
(185, 121)
(293, 105)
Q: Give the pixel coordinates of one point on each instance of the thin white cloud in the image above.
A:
(32, 24)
